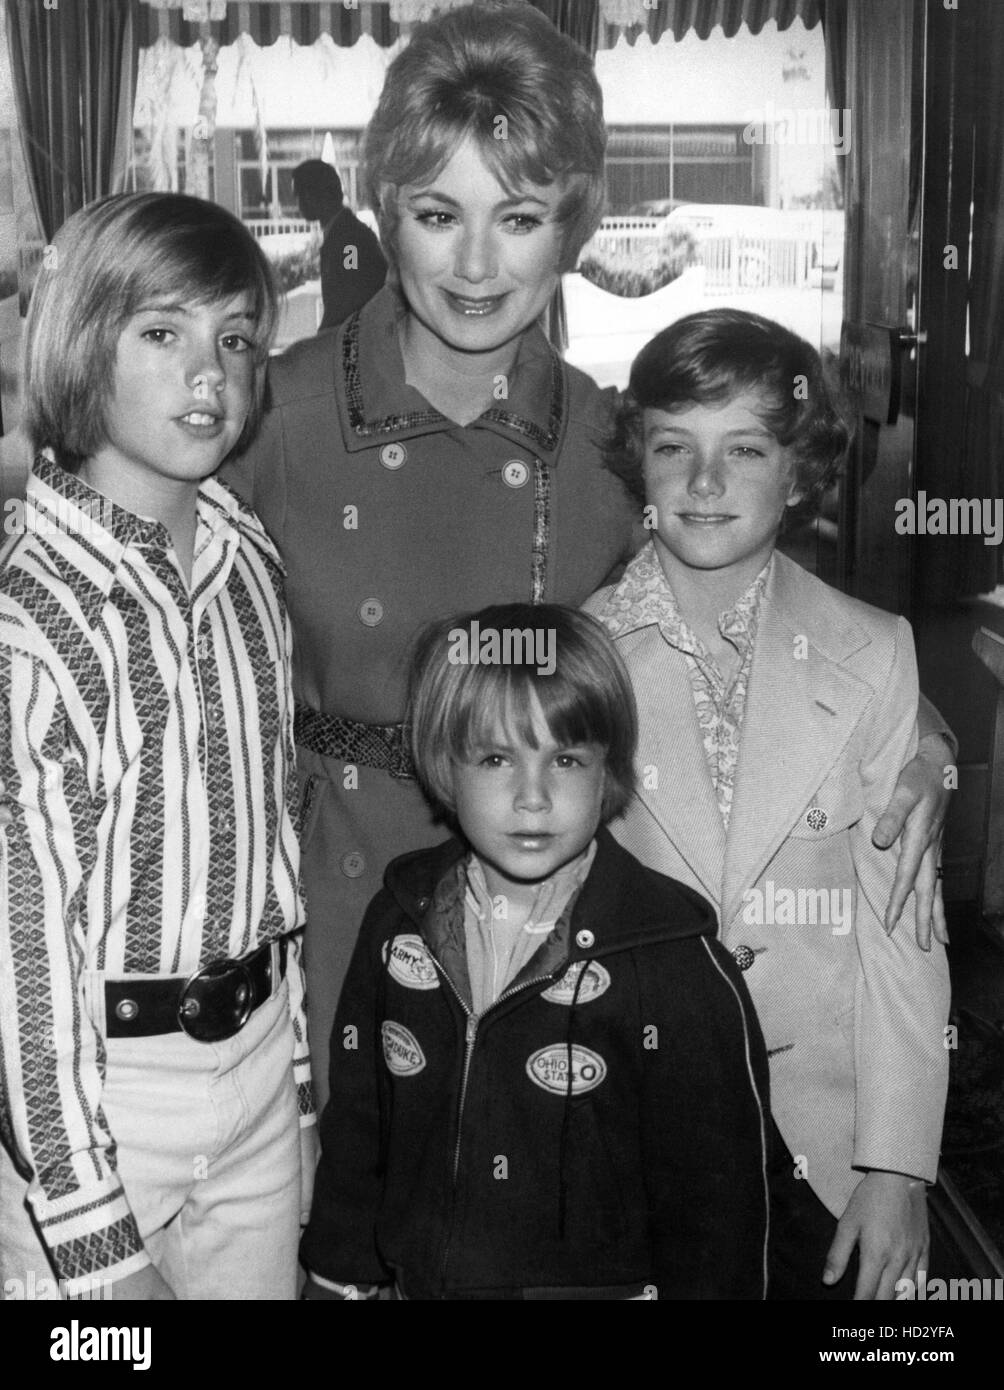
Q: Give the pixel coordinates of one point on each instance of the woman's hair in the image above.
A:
(504, 77)
(711, 357)
(106, 262)
(564, 657)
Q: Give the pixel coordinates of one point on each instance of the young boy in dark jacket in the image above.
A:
(547, 1079)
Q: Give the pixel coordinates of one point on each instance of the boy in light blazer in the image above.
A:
(775, 716)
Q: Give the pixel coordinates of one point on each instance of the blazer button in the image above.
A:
(816, 818)
(744, 957)
(584, 939)
(353, 865)
(371, 612)
(393, 455)
(515, 473)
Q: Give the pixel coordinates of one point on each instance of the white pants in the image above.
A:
(208, 1150)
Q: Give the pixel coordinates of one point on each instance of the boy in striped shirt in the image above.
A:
(157, 1120)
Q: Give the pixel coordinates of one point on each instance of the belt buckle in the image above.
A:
(210, 1010)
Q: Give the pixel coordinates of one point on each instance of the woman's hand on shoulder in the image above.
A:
(916, 816)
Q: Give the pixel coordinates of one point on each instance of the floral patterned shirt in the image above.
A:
(644, 597)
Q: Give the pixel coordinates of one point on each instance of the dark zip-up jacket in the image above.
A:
(602, 1125)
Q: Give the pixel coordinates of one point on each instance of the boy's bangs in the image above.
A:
(209, 264)
(498, 703)
(723, 384)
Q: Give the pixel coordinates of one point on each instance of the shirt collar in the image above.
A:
(382, 406)
(57, 500)
(551, 896)
(644, 598)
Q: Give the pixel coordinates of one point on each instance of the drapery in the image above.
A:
(584, 20)
(983, 439)
(67, 67)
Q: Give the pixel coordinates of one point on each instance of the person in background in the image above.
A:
(353, 267)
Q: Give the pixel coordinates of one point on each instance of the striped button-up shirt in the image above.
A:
(146, 752)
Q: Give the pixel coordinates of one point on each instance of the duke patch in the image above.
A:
(596, 982)
(548, 1069)
(401, 1051)
(410, 963)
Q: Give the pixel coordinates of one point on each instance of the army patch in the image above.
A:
(410, 963)
(596, 982)
(401, 1051)
(548, 1069)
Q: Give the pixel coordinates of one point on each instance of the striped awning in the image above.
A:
(596, 23)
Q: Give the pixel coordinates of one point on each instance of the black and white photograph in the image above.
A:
(501, 673)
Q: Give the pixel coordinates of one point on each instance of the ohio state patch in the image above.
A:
(410, 963)
(548, 1069)
(597, 982)
(401, 1051)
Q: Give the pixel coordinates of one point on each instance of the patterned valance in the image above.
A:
(596, 23)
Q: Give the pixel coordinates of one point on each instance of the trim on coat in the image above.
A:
(763, 1119)
(546, 439)
(541, 530)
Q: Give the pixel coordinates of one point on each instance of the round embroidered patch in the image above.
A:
(401, 1051)
(548, 1069)
(409, 963)
(596, 982)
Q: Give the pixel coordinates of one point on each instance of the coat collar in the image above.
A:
(378, 405)
(802, 704)
(621, 904)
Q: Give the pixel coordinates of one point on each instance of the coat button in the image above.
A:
(126, 1009)
(515, 473)
(393, 455)
(353, 865)
(744, 957)
(584, 939)
(370, 612)
(816, 818)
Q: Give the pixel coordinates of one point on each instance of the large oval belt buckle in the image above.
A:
(217, 1001)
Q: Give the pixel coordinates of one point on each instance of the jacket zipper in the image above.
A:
(470, 1036)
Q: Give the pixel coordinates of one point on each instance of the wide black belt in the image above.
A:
(384, 746)
(210, 1006)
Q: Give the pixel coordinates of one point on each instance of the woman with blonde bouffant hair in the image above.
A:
(435, 452)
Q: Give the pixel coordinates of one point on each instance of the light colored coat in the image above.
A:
(853, 1020)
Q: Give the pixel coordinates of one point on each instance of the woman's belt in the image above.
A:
(385, 746)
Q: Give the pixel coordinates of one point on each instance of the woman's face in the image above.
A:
(476, 265)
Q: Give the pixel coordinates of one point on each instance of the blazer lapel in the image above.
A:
(801, 708)
(671, 758)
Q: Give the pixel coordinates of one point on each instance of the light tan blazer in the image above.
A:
(854, 1021)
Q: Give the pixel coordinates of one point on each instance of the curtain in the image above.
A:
(833, 15)
(679, 17)
(67, 67)
(586, 21)
(983, 438)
